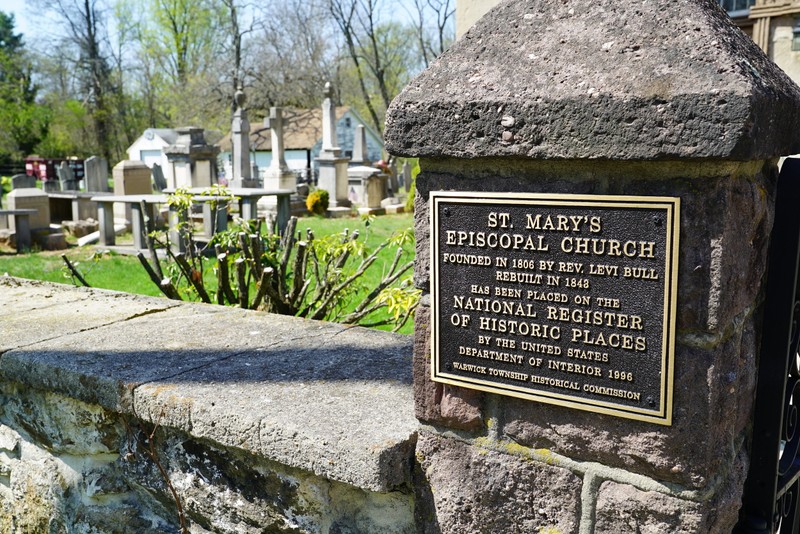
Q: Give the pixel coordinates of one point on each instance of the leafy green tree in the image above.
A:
(23, 123)
(84, 72)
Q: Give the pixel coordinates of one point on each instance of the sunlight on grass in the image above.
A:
(103, 269)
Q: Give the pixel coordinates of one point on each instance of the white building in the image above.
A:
(150, 145)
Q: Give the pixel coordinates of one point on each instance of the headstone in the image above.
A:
(360, 156)
(278, 175)
(159, 182)
(66, 177)
(356, 182)
(331, 166)
(375, 191)
(406, 176)
(30, 198)
(191, 160)
(96, 174)
(240, 145)
(594, 209)
(130, 178)
(22, 181)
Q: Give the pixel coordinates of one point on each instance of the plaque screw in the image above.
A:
(657, 221)
(447, 212)
(448, 366)
(651, 402)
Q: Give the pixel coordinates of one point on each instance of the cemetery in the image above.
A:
(600, 287)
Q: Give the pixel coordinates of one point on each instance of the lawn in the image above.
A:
(103, 269)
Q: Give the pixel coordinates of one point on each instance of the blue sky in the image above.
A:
(24, 15)
(18, 7)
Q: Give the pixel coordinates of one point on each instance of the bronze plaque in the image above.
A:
(563, 299)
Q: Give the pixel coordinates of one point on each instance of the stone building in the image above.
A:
(773, 24)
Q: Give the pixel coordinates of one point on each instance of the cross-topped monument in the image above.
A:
(332, 166)
(329, 144)
(240, 144)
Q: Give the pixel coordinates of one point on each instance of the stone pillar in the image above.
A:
(360, 156)
(240, 145)
(331, 165)
(278, 175)
(523, 431)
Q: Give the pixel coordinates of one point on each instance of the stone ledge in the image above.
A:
(318, 396)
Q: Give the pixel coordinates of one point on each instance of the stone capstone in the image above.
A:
(644, 80)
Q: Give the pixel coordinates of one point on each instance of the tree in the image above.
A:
(86, 40)
(433, 39)
(381, 52)
(24, 122)
(180, 44)
(297, 53)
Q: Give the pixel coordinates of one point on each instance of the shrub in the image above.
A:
(317, 202)
(296, 274)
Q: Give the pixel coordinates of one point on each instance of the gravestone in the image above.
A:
(332, 167)
(592, 218)
(66, 177)
(159, 182)
(240, 145)
(278, 175)
(191, 160)
(30, 198)
(360, 156)
(367, 187)
(96, 174)
(22, 181)
(131, 177)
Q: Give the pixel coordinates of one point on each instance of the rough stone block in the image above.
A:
(60, 424)
(436, 403)
(464, 488)
(711, 386)
(624, 509)
(225, 490)
(661, 88)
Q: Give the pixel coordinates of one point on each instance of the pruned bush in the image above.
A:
(296, 273)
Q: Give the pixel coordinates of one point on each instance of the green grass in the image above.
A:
(124, 273)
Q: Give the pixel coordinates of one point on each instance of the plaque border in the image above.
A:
(671, 205)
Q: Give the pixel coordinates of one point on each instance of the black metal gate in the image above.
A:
(771, 492)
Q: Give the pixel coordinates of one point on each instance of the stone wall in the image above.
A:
(129, 414)
(576, 471)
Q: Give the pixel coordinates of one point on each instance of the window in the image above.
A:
(796, 35)
(347, 123)
(737, 8)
